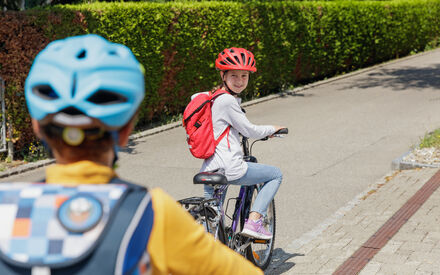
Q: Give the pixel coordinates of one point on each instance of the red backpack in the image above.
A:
(197, 120)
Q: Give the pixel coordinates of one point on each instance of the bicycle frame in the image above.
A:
(242, 205)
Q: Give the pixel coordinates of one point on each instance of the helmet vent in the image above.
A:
(236, 59)
(82, 54)
(113, 53)
(230, 60)
(45, 91)
(71, 111)
(104, 97)
(243, 57)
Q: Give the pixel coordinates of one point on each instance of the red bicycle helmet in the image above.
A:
(235, 59)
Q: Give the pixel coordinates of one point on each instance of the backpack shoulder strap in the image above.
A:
(218, 93)
(225, 132)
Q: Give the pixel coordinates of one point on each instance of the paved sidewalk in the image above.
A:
(414, 249)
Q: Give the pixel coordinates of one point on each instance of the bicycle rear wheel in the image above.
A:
(259, 252)
(207, 217)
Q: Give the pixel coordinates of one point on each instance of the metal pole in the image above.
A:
(5, 146)
(3, 125)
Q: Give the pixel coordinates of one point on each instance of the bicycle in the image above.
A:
(210, 212)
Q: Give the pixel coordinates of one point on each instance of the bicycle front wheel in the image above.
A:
(259, 252)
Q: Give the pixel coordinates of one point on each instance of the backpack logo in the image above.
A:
(197, 120)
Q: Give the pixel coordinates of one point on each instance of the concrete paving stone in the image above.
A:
(405, 253)
(434, 209)
(371, 268)
(423, 211)
(430, 241)
(374, 223)
(333, 238)
(418, 272)
(415, 237)
(330, 266)
(427, 226)
(417, 246)
(412, 222)
(429, 223)
(353, 213)
(391, 247)
(303, 259)
(390, 258)
(306, 249)
(353, 221)
(330, 252)
(409, 230)
(424, 257)
(431, 267)
(348, 229)
(398, 269)
(387, 212)
(344, 242)
(332, 229)
(311, 268)
(340, 233)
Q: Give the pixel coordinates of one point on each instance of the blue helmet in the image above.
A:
(85, 80)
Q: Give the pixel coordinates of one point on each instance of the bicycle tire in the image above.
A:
(260, 254)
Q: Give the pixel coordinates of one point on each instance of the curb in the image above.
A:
(31, 166)
(26, 167)
(400, 164)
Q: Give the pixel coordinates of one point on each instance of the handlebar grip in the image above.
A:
(283, 131)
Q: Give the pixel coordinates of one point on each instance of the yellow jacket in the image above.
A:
(177, 245)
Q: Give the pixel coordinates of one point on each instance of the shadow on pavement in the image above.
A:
(400, 78)
(279, 263)
(130, 148)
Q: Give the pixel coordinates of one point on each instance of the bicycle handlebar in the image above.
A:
(279, 133)
(283, 131)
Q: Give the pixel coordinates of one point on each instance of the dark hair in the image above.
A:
(90, 148)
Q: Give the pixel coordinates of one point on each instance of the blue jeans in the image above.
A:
(257, 173)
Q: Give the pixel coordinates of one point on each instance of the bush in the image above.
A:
(293, 42)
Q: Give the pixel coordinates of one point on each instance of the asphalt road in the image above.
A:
(343, 135)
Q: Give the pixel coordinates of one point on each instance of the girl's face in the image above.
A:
(236, 80)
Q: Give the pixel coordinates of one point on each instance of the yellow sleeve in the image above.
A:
(178, 245)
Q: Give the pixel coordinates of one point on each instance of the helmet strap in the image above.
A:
(115, 136)
(227, 87)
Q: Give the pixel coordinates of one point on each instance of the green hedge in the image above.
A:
(294, 42)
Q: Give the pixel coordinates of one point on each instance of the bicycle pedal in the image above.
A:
(260, 241)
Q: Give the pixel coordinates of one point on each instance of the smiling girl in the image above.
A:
(235, 66)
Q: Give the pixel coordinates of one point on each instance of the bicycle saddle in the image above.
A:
(210, 178)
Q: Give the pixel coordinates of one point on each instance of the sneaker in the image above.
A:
(256, 230)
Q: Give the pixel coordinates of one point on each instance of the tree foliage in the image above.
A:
(177, 42)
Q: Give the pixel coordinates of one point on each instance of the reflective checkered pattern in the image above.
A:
(30, 231)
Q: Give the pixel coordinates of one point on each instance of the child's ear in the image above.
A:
(124, 133)
(36, 128)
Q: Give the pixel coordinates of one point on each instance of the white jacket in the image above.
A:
(226, 111)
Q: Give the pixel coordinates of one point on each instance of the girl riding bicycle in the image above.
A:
(235, 66)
